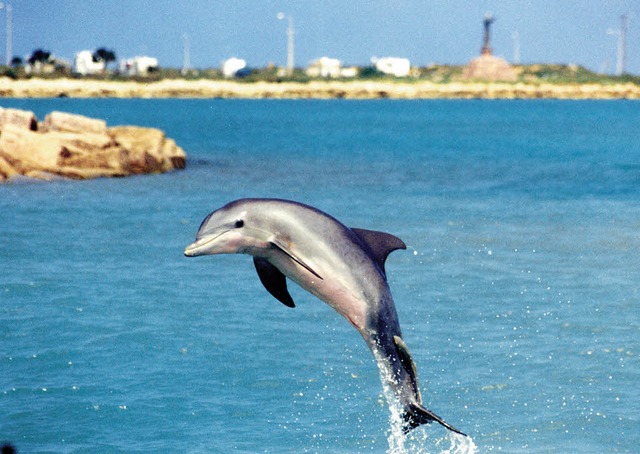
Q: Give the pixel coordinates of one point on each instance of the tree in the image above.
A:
(104, 55)
(39, 56)
(16, 61)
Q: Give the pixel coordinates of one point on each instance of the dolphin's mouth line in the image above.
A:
(197, 246)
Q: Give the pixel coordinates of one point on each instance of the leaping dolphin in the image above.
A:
(342, 266)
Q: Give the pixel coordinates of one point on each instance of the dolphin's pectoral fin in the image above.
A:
(380, 244)
(408, 364)
(284, 248)
(273, 280)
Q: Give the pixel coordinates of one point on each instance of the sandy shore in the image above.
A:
(75, 88)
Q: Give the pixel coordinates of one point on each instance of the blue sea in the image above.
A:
(518, 294)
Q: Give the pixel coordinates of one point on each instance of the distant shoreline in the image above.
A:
(356, 89)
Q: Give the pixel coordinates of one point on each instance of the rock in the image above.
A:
(148, 149)
(97, 152)
(174, 156)
(143, 146)
(27, 150)
(78, 147)
(490, 67)
(66, 122)
(6, 170)
(20, 118)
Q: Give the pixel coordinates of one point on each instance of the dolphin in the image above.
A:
(342, 266)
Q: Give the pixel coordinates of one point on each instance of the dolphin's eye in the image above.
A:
(239, 224)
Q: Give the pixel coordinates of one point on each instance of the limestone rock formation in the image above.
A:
(74, 146)
(491, 68)
(19, 118)
(66, 122)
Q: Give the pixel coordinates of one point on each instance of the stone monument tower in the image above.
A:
(487, 66)
(486, 48)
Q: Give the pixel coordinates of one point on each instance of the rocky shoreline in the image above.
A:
(73, 146)
(177, 88)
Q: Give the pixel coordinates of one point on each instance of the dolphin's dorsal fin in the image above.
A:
(408, 364)
(273, 280)
(380, 244)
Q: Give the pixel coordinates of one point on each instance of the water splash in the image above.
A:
(418, 440)
(451, 443)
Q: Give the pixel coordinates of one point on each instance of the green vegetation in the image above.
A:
(42, 65)
(566, 74)
(440, 73)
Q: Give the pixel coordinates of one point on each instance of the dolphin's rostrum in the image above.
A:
(342, 266)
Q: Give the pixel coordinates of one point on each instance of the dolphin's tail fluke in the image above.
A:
(415, 415)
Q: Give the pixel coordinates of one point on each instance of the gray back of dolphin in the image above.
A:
(344, 267)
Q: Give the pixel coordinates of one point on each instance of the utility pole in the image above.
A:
(9, 33)
(516, 48)
(290, 33)
(290, 42)
(621, 66)
(9, 9)
(621, 54)
(186, 57)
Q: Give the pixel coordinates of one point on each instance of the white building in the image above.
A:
(351, 71)
(324, 67)
(84, 64)
(138, 66)
(398, 67)
(231, 66)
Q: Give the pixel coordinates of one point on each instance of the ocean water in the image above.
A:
(518, 293)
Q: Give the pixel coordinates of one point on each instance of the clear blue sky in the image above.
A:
(437, 31)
